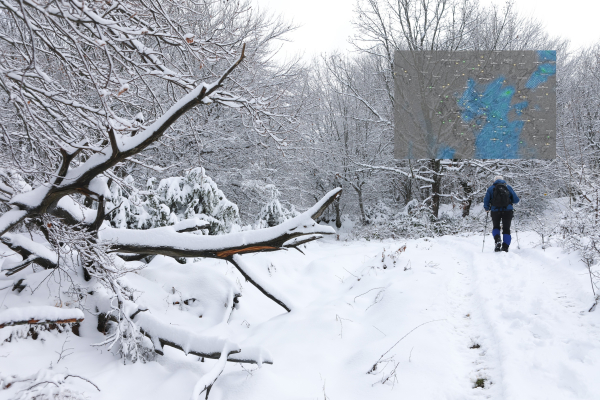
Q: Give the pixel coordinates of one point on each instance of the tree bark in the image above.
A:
(361, 205)
(436, 186)
(40, 322)
(468, 191)
(338, 217)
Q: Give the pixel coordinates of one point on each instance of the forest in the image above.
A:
(185, 215)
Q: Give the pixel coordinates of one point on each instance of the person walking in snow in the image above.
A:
(499, 199)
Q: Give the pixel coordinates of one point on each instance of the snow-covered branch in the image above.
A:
(205, 383)
(30, 251)
(164, 334)
(167, 241)
(39, 315)
(175, 242)
(396, 171)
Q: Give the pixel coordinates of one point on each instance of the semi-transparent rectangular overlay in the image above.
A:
(475, 105)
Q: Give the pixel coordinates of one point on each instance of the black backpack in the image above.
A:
(500, 196)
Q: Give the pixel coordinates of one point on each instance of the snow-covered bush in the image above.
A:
(579, 228)
(414, 221)
(273, 213)
(174, 199)
(47, 384)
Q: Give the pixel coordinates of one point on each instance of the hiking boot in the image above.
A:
(505, 247)
(498, 243)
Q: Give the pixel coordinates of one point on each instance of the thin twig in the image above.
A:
(367, 292)
(374, 368)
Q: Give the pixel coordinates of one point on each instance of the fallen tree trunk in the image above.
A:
(36, 315)
(167, 241)
(176, 242)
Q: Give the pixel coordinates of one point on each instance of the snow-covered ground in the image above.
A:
(441, 317)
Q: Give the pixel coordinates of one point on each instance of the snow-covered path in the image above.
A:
(445, 317)
(518, 321)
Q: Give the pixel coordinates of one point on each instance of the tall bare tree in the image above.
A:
(385, 27)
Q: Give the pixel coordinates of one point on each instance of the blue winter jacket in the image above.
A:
(514, 199)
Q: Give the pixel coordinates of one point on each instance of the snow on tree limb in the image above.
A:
(191, 225)
(10, 219)
(208, 379)
(39, 315)
(186, 340)
(30, 251)
(316, 210)
(251, 355)
(190, 342)
(167, 241)
(76, 180)
(410, 174)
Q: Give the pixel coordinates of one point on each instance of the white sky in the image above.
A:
(326, 23)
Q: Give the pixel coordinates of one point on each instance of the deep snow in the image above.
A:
(527, 311)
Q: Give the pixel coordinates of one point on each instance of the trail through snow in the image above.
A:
(514, 323)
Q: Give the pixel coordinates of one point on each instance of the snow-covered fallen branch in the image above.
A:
(166, 241)
(39, 315)
(205, 383)
(188, 341)
(265, 287)
(30, 251)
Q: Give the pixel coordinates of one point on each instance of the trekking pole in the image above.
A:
(517, 233)
(484, 231)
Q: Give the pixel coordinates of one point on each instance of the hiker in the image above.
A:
(499, 198)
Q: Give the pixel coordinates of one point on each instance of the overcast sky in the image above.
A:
(326, 23)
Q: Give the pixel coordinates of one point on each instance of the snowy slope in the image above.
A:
(526, 310)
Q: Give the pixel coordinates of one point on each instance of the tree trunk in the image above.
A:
(338, 216)
(468, 190)
(436, 186)
(361, 204)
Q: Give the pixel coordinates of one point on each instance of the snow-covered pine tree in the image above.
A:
(175, 199)
(273, 213)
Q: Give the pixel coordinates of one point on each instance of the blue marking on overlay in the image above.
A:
(547, 55)
(488, 106)
(519, 107)
(544, 70)
(445, 152)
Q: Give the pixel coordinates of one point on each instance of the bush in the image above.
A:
(414, 221)
(175, 199)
